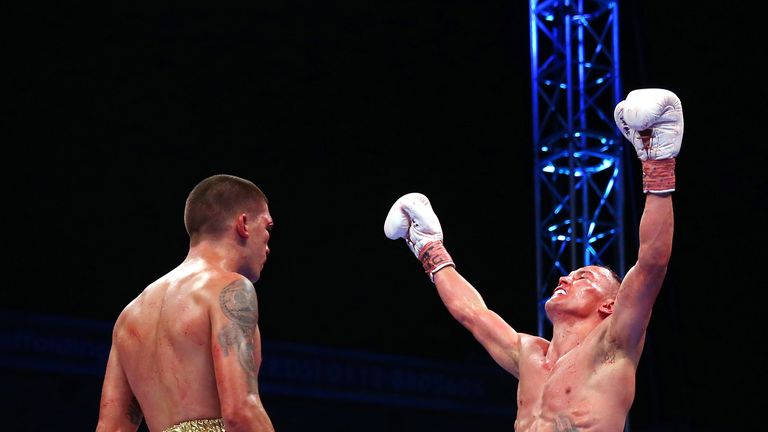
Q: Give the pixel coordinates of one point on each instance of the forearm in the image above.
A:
(656, 231)
(460, 298)
(465, 304)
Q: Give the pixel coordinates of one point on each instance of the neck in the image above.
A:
(567, 335)
(214, 253)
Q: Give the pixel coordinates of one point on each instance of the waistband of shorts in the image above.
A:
(204, 425)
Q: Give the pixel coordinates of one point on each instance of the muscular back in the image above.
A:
(590, 388)
(163, 339)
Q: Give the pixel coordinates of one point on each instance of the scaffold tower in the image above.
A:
(578, 187)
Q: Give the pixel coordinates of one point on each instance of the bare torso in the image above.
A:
(590, 388)
(164, 342)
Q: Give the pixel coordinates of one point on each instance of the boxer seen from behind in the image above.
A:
(186, 352)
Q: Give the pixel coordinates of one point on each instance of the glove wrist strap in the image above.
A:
(659, 176)
(433, 257)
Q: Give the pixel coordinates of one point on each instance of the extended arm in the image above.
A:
(642, 283)
(412, 218)
(465, 304)
(652, 120)
(236, 347)
(118, 410)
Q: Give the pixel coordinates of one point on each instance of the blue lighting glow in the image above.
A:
(599, 236)
(580, 151)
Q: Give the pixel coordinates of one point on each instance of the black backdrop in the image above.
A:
(337, 108)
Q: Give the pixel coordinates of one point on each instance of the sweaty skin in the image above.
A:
(188, 347)
(584, 379)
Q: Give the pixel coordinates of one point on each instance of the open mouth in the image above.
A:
(559, 292)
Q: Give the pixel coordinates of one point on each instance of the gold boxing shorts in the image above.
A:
(215, 425)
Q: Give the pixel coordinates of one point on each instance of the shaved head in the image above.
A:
(612, 290)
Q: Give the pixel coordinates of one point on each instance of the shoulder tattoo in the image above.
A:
(238, 303)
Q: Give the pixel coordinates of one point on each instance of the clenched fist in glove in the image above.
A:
(412, 218)
(652, 120)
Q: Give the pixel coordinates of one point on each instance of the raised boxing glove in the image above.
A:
(411, 217)
(652, 120)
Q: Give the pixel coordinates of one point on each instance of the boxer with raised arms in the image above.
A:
(584, 378)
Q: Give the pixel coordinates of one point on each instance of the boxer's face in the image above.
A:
(581, 292)
(255, 228)
(260, 227)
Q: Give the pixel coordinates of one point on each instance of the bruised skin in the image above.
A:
(590, 388)
(584, 379)
(181, 385)
(581, 380)
(188, 347)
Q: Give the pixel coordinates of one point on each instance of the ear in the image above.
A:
(241, 225)
(606, 309)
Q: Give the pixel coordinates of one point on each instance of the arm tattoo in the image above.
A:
(239, 304)
(134, 411)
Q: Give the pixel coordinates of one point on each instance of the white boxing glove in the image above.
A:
(411, 217)
(652, 120)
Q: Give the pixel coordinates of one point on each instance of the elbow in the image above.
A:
(246, 415)
(465, 314)
(237, 418)
(110, 421)
(107, 426)
(653, 263)
(654, 258)
(652, 268)
(101, 426)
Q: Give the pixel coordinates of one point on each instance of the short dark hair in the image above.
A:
(215, 199)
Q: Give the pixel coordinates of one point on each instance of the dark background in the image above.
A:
(335, 109)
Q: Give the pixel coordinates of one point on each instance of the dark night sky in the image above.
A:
(336, 109)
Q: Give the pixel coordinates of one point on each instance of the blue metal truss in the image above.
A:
(578, 188)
